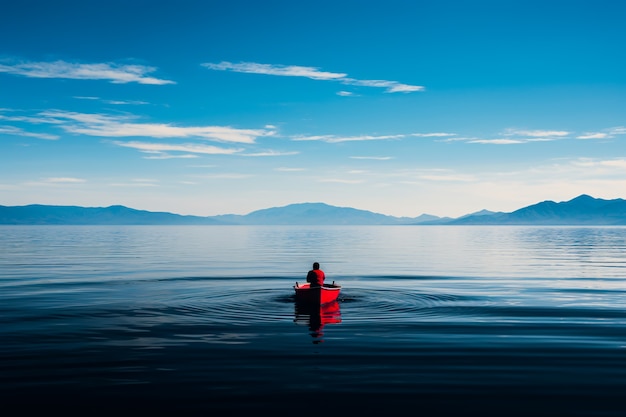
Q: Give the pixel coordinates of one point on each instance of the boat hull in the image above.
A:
(316, 295)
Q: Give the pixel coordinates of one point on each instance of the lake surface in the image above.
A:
(440, 320)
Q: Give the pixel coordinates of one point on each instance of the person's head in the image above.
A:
(316, 265)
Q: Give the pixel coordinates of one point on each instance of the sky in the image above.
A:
(226, 107)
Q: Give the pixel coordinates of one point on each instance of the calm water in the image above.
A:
(433, 320)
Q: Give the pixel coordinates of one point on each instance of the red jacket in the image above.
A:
(316, 277)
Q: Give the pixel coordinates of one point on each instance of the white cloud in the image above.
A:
(614, 163)
(536, 133)
(280, 70)
(162, 155)
(27, 119)
(15, 131)
(64, 180)
(606, 134)
(312, 73)
(271, 153)
(344, 93)
(123, 126)
(286, 169)
(431, 135)
(496, 141)
(375, 158)
(126, 102)
(114, 73)
(617, 163)
(390, 86)
(337, 139)
(114, 102)
(590, 135)
(190, 148)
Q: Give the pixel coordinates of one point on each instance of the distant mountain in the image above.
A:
(73, 215)
(296, 214)
(582, 210)
(317, 214)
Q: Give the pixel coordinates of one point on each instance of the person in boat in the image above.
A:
(316, 276)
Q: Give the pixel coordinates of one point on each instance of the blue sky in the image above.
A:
(397, 107)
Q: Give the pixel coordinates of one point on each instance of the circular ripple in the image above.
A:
(245, 306)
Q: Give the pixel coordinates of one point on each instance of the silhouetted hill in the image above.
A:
(582, 210)
(297, 214)
(316, 214)
(73, 215)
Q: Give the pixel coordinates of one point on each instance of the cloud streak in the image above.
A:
(16, 131)
(114, 73)
(537, 133)
(361, 138)
(606, 134)
(64, 180)
(374, 158)
(311, 73)
(158, 148)
(124, 126)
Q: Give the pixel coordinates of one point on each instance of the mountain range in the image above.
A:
(582, 210)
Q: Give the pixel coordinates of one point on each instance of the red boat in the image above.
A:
(317, 295)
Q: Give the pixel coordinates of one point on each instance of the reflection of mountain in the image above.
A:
(582, 210)
(317, 316)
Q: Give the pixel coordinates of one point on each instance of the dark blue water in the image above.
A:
(198, 320)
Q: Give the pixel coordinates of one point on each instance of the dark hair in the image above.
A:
(316, 265)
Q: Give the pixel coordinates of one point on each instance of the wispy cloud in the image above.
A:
(162, 155)
(591, 135)
(14, 117)
(114, 102)
(605, 134)
(515, 137)
(280, 70)
(375, 158)
(104, 125)
(338, 139)
(312, 73)
(497, 141)
(271, 153)
(64, 180)
(389, 86)
(536, 133)
(15, 131)
(431, 135)
(158, 148)
(615, 163)
(114, 73)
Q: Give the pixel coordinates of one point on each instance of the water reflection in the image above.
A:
(316, 317)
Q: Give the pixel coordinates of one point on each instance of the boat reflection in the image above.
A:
(317, 316)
